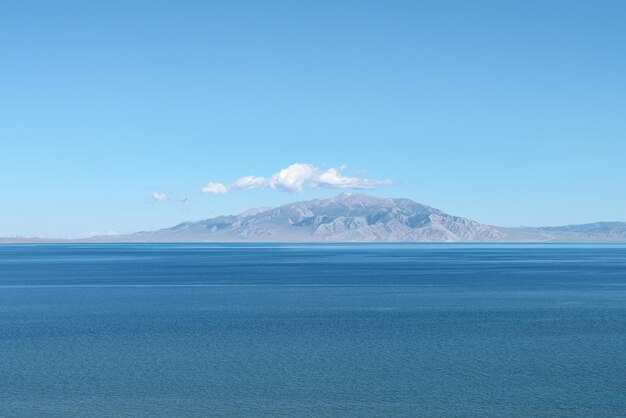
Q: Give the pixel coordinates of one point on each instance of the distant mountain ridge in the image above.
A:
(356, 217)
(598, 231)
(347, 217)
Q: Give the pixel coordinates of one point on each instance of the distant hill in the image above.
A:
(347, 217)
(356, 217)
(599, 231)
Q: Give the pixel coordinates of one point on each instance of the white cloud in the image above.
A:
(159, 197)
(333, 178)
(215, 188)
(250, 182)
(296, 178)
(164, 197)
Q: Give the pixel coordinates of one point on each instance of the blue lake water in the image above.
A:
(312, 330)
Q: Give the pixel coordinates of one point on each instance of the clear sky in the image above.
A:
(114, 115)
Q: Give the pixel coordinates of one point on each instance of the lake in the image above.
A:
(381, 330)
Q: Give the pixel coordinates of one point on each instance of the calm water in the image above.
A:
(312, 330)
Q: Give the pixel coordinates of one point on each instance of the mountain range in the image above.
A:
(356, 217)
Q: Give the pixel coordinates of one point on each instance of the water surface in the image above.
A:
(312, 330)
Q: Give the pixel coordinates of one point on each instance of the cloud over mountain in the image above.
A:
(165, 197)
(296, 178)
(160, 197)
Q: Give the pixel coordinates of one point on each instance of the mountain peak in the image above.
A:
(353, 195)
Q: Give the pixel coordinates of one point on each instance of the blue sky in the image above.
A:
(510, 113)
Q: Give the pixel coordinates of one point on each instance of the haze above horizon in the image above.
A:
(128, 117)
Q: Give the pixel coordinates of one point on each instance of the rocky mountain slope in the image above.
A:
(354, 217)
(351, 217)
